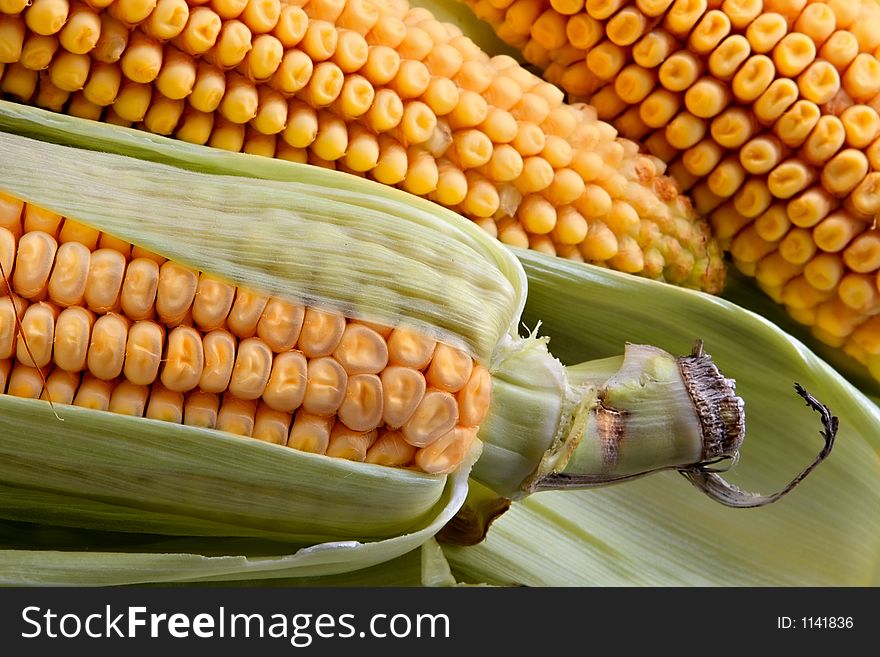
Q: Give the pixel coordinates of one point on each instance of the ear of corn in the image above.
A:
(384, 91)
(193, 498)
(134, 483)
(768, 116)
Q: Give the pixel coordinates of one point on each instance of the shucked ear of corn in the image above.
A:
(767, 113)
(375, 88)
(177, 480)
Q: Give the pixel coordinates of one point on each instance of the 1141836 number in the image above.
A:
(826, 622)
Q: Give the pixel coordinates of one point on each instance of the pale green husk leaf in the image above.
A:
(89, 558)
(133, 474)
(659, 530)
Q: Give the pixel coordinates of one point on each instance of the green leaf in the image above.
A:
(660, 530)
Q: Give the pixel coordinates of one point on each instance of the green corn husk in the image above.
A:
(585, 311)
(655, 531)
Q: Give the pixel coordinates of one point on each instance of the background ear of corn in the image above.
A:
(382, 90)
(768, 118)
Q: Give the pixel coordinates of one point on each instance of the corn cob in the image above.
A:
(379, 90)
(102, 329)
(766, 112)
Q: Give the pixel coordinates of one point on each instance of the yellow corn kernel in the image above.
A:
(435, 415)
(795, 124)
(60, 387)
(200, 409)
(361, 408)
(789, 178)
(325, 387)
(165, 405)
(34, 260)
(361, 351)
(286, 388)
(12, 309)
(212, 303)
(132, 12)
(450, 369)
(106, 354)
(167, 20)
(824, 271)
(139, 288)
(682, 15)
(819, 82)
(765, 31)
(184, 360)
(685, 130)
(36, 335)
(208, 88)
(177, 76)
(142, 59)
(19, 82)
(133, 101)
(862, 255)
(837, 230)
(262, 16)
(81, 31)
(727, 58)
(862, 125)
(37, 51)
(861, 80)
(175, 292)
(794, 52)
(271, 426)
(73, 329)
(310, 433)
(810, 207)
(94, 393)
(201, 31)
(129, 399)
(840, 49)
(390, 448)
(859, 291)
(143, 352)
(46, 17)
(67, 283)
(105, 277)
(444, 454)
(28, 382)
(68, 71)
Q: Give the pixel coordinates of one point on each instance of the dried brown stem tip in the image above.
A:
(711, 483)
